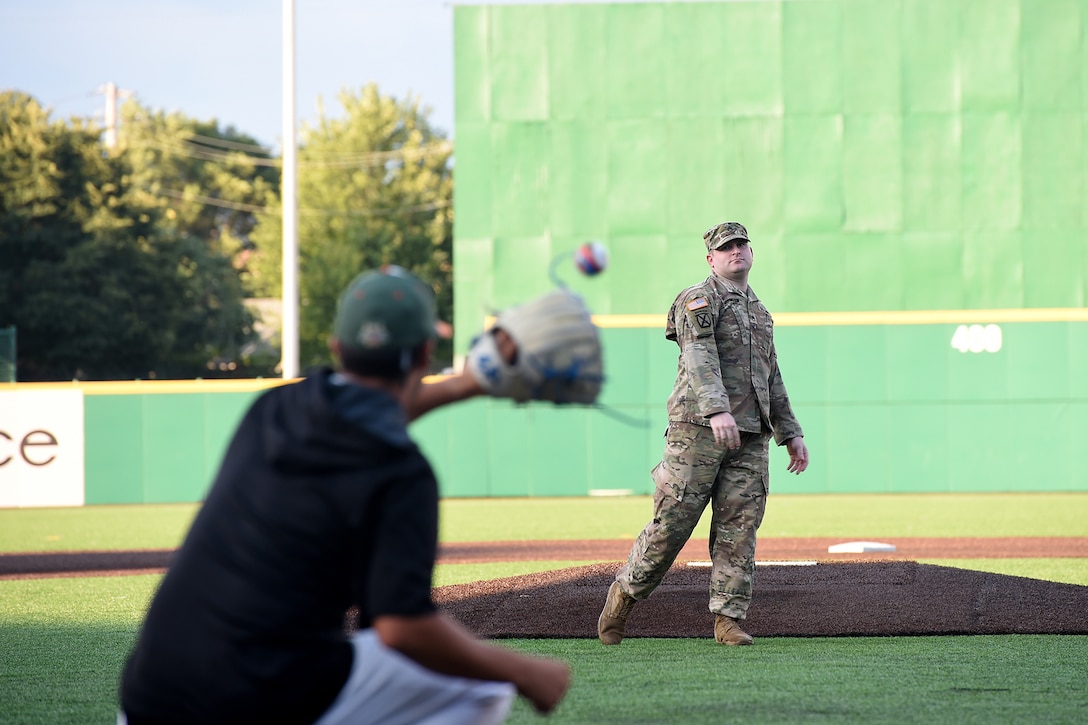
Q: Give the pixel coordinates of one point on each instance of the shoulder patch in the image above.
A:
(698, 303)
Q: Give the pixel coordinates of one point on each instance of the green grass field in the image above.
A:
(62, 640)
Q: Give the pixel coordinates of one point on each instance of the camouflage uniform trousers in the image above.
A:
(696, 471)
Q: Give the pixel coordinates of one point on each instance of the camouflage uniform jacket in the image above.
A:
(727, 360)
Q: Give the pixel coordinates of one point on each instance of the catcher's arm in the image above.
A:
(453, 388)
(558, 352)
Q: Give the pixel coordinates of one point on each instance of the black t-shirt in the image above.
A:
(322, 503)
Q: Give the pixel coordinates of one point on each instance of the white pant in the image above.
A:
(386, 687)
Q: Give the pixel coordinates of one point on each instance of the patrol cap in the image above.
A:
(384, 310)
(719, 234)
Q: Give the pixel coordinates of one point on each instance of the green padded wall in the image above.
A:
(886, 408)
(157, 447)
(933, 152)
(890, 157)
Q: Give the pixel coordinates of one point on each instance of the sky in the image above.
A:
(222, 59)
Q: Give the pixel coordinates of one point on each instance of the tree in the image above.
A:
(99, 280)
(375, 187)
(209, 185)
(58, 240)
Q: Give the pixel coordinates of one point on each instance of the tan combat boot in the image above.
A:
(614, 616)
(727, 631)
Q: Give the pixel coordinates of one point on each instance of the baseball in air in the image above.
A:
(591, 258)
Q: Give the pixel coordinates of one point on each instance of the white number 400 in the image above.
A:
(977, 338)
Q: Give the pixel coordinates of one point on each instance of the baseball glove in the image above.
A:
(558, 352)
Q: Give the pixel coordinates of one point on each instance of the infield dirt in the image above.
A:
(878, 594)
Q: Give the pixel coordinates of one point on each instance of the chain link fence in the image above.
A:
(7, 355)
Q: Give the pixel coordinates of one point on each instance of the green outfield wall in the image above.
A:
(938, 426)
(912, 173)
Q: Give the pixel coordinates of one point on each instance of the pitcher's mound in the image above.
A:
(826, 600)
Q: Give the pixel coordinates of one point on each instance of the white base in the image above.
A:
(859, 547)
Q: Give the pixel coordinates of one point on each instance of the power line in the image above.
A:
(315, 158)
(195, 151)
(68, 99)
(224, 143)
(380, 158)
(436, 146)
(368, 159)
(276, 210)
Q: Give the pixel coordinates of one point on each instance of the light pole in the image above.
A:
(289, 332)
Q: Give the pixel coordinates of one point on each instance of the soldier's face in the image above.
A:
(731, 260)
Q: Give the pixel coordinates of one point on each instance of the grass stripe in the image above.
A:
(860, 516)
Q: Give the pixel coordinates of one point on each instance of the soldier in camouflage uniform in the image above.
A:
(728, 400)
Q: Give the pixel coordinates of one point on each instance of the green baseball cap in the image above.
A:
(383, 310)
(719, 234)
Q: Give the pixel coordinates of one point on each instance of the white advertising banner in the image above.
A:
(41, 448)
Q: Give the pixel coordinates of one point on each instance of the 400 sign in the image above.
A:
(977, 338)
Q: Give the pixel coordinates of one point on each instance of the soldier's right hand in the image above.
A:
(725, 430)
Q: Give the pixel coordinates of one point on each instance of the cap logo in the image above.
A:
(373, 334)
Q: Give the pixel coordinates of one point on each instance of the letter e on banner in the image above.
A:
(41, 448)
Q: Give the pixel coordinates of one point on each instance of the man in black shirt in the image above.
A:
(324, 503)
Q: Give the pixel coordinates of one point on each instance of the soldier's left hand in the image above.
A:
(798, 454)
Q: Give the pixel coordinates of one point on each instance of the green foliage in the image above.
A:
(209, 182)
(60, 226)
(104, 276)
(374, 188)
(135, 262)
(207, 185)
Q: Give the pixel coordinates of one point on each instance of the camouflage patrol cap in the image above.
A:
(719, 234)
(385, 309)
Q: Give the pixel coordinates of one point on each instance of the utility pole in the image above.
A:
(111, 115)
(113, 94)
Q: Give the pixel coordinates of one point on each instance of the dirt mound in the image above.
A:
(821, 600)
